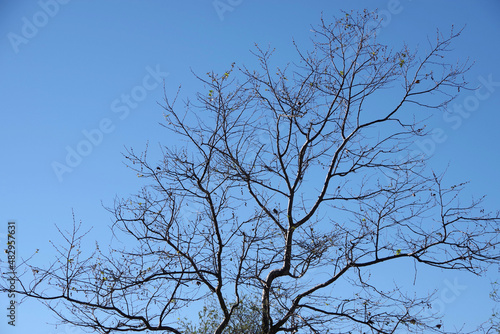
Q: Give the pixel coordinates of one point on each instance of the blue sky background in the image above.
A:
(69, 74)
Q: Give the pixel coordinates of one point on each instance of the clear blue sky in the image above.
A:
(66, 70)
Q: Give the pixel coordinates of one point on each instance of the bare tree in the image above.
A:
(300, 181)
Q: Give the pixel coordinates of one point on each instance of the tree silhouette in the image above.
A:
(293, 185)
